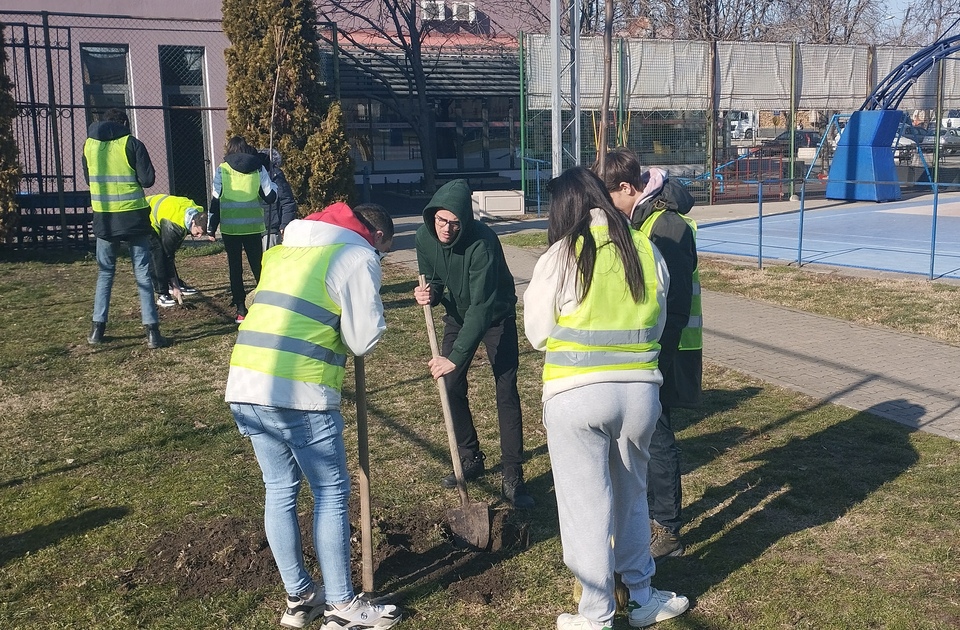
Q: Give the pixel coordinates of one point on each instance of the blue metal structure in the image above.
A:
(863, 167)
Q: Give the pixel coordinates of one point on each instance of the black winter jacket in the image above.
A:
(115, 226)
(682, 371)
(278, 214)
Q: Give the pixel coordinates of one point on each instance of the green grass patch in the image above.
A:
(130, 499)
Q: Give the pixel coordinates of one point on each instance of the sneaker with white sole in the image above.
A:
(165, 301)
(302, 610)
(566, 621)
(186, 289)
(663, 605)
(360, 614)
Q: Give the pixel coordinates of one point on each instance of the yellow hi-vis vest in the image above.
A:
(171, 208)
(692, 336)
(240, 210)
(292, 330)
(113, 182)
(608, 330)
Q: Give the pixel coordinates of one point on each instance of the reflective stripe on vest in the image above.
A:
(628, 339)
(240, 210)
(113, 182)
(691, 338)
(292, 329)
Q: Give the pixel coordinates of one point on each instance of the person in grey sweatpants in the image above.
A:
(598, 436)
(596, 304)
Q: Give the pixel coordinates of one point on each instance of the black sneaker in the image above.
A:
(165, 301)
(302, 610)
(186, 289)
(472, 469)
(516, 494)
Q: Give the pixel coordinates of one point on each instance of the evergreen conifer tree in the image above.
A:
(273, 92)
(9, 154)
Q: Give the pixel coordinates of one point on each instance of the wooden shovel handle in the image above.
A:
(366, 535)
(445, 404)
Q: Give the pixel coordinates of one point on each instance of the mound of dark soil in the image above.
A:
(229, 553)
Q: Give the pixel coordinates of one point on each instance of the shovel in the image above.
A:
(366, 537)
(469, 523)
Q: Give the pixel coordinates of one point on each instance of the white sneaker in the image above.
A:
(301, 611)
(663, 605)
(165, 301)
(566, 621)
(362, 615)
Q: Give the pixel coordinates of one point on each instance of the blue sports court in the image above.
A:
(892, 236)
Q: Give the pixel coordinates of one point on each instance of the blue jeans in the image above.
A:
(291, 444)
(107, 263)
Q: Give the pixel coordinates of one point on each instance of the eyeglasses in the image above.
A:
(441, 222)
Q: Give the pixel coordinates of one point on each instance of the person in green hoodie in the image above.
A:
(465, 269)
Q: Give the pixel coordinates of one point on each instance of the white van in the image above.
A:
(951, 119)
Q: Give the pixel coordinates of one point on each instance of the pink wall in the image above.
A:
(183, 9)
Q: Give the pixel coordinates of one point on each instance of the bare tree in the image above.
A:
(607, 80)
(407, 47)
(925, 21)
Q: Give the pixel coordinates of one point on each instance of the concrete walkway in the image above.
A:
(907, 378)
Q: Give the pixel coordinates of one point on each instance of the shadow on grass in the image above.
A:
(809, 481)
(33, 540)
(700, 450)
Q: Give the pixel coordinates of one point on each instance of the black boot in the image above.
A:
(96, 333)
(515, 491)
(154, 338)
(472, 468)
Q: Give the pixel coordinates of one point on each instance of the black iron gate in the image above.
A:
(54, 204)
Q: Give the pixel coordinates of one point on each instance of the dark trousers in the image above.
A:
(663, 475)
(502, 348)
(252, 244)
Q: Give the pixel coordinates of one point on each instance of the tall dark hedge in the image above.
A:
(307, 127)
(9, 154)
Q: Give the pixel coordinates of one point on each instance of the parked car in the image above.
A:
(949, 141)
(802, 138)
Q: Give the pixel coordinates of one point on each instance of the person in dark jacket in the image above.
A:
(657, 206)
(117, 168)
(277, 215)
(240, 186)
(172, 218)
(466, 271)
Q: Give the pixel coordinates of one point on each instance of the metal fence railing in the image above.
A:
(67, 69)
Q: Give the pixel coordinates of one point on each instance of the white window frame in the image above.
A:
(433, 10)
(471, 8)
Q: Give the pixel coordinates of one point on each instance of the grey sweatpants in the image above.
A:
(599, 437)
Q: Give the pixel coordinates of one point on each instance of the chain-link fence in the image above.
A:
(67, 70)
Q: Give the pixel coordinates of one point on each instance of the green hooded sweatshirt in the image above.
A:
(469, 275)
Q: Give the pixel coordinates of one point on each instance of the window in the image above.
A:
(432, 10)
(106, 78)
(465, 11)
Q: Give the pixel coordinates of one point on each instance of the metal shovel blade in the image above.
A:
(470, 524)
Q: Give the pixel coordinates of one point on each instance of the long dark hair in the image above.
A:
(572, 195)
(237, 144)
